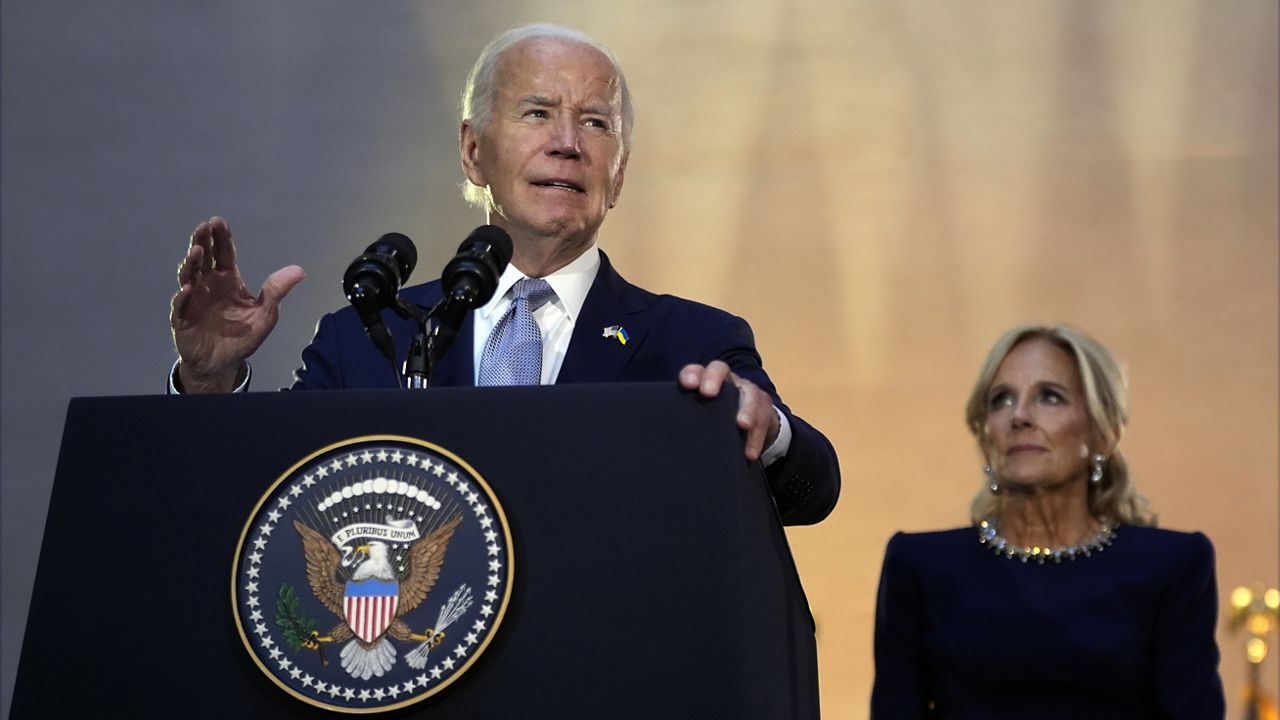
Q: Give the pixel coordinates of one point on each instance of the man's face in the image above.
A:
(552, 154)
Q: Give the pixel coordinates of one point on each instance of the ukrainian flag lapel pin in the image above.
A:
(617, 331)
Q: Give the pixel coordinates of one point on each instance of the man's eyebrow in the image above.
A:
(605, 109)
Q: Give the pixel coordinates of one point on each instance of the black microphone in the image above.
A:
(373, 280)
(468, 281)
(472, 275)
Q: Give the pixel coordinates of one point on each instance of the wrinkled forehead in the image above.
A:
(551, 67)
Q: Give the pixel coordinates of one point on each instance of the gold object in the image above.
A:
(1256, 649)
(1257, 612)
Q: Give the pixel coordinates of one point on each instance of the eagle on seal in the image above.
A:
(368, 653)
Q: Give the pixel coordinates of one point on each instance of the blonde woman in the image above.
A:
(1062, 600)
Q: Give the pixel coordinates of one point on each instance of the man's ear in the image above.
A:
(617, 181)
(469, 147)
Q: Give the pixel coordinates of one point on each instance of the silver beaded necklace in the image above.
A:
(990, 536)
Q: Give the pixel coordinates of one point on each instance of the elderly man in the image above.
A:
(546, 124)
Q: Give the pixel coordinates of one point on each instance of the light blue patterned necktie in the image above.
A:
(513, 353)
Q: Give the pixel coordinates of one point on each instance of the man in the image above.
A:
(545, 135)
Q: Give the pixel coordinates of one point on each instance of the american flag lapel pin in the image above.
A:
(617, 331)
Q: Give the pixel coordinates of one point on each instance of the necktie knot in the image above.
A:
(534, 291)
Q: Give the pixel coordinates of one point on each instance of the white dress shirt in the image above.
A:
(556, 319)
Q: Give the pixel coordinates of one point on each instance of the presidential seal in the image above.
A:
(372, 574)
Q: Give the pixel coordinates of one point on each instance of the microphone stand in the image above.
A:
(437, 329)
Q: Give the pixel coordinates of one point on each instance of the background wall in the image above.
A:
(881, 186)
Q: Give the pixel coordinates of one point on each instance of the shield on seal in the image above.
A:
(370, 606)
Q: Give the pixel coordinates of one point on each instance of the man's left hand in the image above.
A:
(756, 416)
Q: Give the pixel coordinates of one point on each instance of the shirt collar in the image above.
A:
(571, 284)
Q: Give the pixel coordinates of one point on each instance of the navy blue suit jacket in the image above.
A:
(666, 333)
(1123, 634)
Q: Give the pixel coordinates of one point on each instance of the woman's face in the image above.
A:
(1038, 430)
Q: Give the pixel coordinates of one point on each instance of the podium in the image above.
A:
(652, 577)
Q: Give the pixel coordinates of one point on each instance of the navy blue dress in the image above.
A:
(1125, 633)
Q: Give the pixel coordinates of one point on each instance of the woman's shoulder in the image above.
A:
(932, 555)
(930, 542)
(1160, 537)
(1176, 543)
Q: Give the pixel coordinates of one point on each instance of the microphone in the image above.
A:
(467, 281)
(373, 280)
(472, 275)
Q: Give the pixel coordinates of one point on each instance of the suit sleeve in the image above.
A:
(1186, 652)
(341, 357)
(806, 481)
(321, 369)
(899, 689)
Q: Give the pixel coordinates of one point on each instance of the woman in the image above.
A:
(1062, 600)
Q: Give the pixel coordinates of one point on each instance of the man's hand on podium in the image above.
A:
(756, 417)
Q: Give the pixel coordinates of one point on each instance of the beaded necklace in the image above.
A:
(988, 535)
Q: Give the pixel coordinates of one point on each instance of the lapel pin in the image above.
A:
(617, 331)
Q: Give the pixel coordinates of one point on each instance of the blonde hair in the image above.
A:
(1106, 396)
(481, 89)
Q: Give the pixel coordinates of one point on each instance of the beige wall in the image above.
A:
(884, 187)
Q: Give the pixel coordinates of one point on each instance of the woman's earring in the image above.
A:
(994, 485)
(1095, 476)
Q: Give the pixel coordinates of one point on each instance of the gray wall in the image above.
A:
(312, 126)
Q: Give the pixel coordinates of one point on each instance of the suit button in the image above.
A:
(799, 486)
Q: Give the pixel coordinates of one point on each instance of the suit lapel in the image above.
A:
(612, 302)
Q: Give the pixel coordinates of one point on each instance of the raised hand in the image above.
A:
(217, 324)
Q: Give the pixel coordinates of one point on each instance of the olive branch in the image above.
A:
(298, 628)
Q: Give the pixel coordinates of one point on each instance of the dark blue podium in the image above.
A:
(652, 579)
